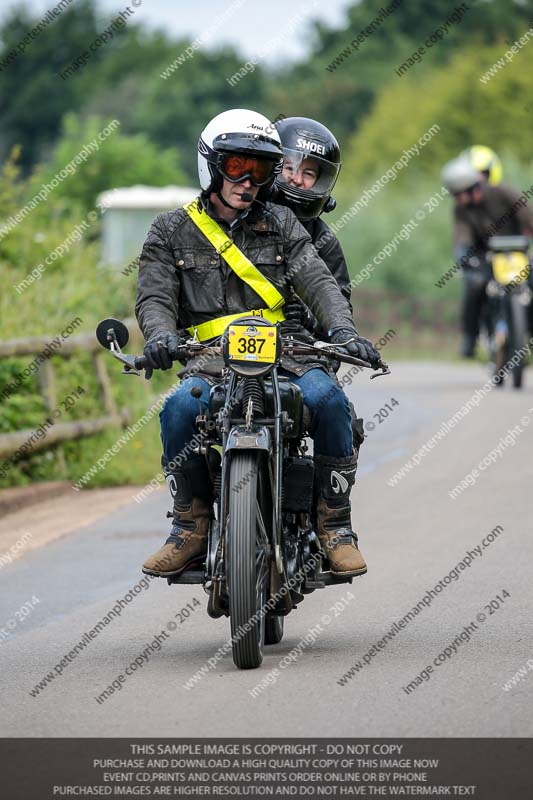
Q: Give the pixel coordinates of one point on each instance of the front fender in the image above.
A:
(240, 438)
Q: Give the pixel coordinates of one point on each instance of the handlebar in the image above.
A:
(140, 362)
(297, 348)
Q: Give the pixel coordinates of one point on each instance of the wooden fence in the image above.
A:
(10, 443)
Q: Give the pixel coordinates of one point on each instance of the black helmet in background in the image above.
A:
(303, 138)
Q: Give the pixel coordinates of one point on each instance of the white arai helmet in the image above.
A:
(244, 133)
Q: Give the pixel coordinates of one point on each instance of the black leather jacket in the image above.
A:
(183, 281)
(330, 251)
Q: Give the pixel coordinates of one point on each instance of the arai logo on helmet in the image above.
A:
(313, 147)
(256, 127)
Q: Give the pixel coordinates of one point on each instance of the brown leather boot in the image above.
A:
(191, 490)
(186, 543)
(335, 478)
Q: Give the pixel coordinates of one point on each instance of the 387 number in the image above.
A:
(251, 345)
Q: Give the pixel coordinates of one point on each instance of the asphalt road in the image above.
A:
(413, 535)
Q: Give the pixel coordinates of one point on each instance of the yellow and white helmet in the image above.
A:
(485, 160)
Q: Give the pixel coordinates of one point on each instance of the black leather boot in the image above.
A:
(191, 491)
(334, 478)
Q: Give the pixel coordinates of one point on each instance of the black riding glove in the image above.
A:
(161, 349)
(297, 312)
(294, 312)
(359, 347)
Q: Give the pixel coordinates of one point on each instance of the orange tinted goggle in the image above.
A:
(236, 168)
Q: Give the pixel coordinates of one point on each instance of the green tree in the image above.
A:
(174, 111)
(121, 160)
(33, 98)
(344, 94)
(495, 113)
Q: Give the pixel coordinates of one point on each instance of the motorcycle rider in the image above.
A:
(481, 210)
(184, 282)
(311, 166)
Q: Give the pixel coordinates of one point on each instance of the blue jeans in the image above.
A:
(330, 428)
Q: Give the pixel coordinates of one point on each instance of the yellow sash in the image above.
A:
(238, 262)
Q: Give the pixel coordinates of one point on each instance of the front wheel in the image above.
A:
(247, 552)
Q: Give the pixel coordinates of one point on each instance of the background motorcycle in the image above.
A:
(509, 296)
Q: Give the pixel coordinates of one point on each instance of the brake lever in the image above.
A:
(127, 361)
(385, 370)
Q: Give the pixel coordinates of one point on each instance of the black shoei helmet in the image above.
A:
(303, 138)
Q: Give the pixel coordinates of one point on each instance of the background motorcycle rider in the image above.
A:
(486, 161)
(185, 283)
(480, 210)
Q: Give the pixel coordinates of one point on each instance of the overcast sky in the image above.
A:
(274, 27)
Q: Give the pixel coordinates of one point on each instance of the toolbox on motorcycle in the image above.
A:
(298, 476)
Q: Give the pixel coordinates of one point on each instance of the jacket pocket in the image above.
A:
(270, 261)
(201, 281)
(197, 259)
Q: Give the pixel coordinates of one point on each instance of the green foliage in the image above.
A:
(342, 98)
(468, 112)
(123, 78)
(420, 258)
(71, 286)
(33, 98)
(175, 111)
(375, 114)
(121, 160)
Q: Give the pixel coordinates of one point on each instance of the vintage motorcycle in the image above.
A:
(509, 296)
(263, 554)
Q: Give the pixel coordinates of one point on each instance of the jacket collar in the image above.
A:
(254, 216)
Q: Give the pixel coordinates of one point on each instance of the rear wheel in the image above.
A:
(274, 629)
(247, 552)
(518, 326)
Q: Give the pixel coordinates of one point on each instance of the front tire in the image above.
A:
(247, 551)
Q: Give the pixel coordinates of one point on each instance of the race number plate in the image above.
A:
(251, 343)
(512, 267)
